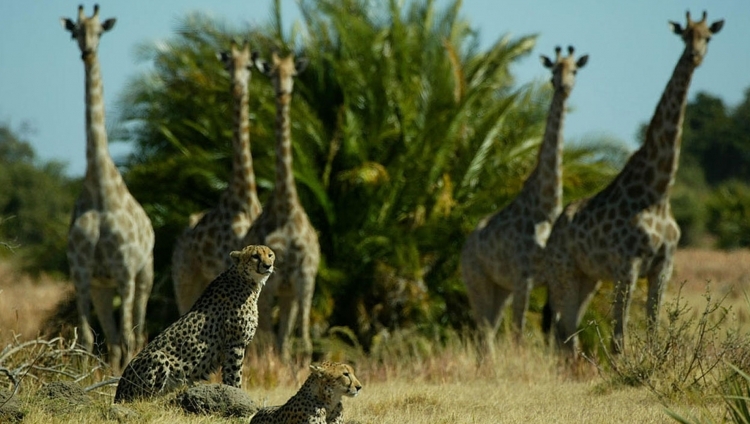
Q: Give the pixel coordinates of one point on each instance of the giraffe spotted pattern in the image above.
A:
(498, 258)
(111, 239)
(285, 227)
(627, 230)
(200, 253)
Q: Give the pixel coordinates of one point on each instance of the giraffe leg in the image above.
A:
(288, 310)
(144, 282)
(82, 239)
(487, 301)
(305, 291)
(658, 277)
(82, 279)
(569, 295)
(624, 286)
(564, 306)
(265, 304)
(102, 299)
(127, 300)
(521, 305)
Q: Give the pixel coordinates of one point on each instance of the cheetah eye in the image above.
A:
(346, 374)
(256, 256)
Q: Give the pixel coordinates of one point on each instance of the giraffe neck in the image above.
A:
(102, 177)
(657, 160)
(544, 185)
(242, 186)
(285, 188)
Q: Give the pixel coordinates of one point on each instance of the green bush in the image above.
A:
(729, 214)
(36, 201)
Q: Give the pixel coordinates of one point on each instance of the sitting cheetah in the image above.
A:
(318, 401)
(213, 333)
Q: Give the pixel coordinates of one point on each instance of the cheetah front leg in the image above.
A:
(231, 369)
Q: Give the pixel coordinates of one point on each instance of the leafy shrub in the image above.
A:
(729, 214)
(687, 355)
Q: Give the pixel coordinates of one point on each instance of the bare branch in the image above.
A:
(113, 380)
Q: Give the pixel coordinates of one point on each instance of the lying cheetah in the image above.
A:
(318, 401)
(213, 333)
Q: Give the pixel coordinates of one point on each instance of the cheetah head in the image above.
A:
(254, 262)
(339, 378)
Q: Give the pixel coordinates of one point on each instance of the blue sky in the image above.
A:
(632, 54)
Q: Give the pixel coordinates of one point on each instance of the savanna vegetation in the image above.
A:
(406, 132)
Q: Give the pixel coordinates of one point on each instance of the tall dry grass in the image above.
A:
(26, 303)
(727, 270)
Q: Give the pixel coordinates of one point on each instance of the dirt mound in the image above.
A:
(216, 399)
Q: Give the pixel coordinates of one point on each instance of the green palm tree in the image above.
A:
(405, 134)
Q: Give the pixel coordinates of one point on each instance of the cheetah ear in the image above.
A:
(235, 255)
(316, 369)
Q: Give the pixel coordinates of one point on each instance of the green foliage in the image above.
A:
(719, 138)
(35, 205)
(729, 214)
(405, 134)
(715, 150)
(736, 398)
(689, 198)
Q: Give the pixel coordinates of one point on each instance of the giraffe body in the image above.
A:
(627, 230)
(111, 240)
(285, 227)
(497, 261)
(202, 252)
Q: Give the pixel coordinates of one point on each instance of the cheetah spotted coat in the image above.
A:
(213, 333)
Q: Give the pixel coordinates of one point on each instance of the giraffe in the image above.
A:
(285, 225)
(111, 240)
(497, 258)
(202, 252)
(627, 230)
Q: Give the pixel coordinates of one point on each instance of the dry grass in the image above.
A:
(25, 303)
(729, 271)
(521, 385)
(726, 274)
(419, 382)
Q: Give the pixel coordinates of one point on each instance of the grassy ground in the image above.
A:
(427, 384)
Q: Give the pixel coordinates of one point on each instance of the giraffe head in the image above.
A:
(238, 63)
(281, 70)
(564, 69)
(696, 36)
(87, 31)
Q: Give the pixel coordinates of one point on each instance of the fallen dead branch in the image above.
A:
(39, 359)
